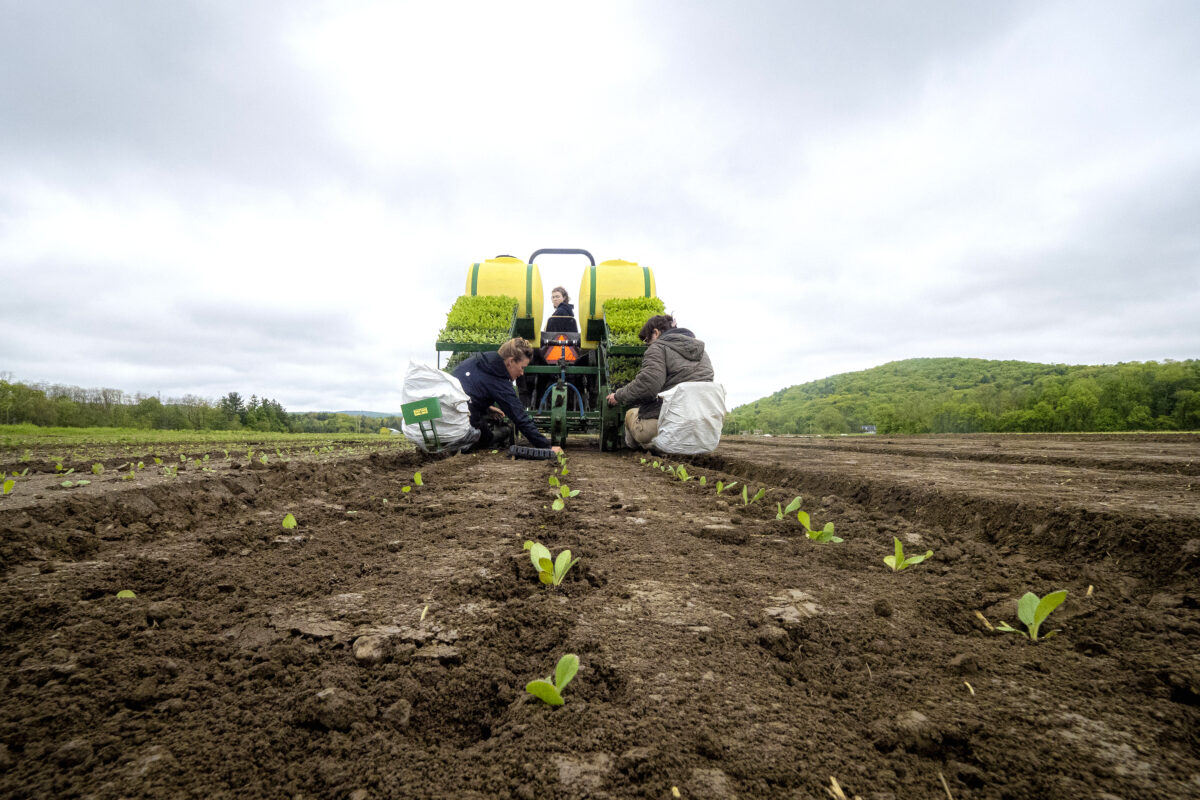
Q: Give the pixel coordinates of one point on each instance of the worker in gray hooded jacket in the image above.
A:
(673, 356)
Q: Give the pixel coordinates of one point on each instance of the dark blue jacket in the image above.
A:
(485, 380)
(556, 323)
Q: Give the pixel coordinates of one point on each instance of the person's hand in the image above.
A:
(496, 413)
(556, 449)
(612, 398)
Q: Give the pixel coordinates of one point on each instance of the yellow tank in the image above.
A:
(515, 278)
(606, 281)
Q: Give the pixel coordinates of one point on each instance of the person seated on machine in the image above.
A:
(673, 356)
(487, 378)
(563, 318)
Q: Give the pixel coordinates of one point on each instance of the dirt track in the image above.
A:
(721, 651)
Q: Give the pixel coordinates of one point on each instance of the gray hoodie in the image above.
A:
(673, 358)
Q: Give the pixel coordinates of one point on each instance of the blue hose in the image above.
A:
(545, 394)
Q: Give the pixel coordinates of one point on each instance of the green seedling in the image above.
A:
(406, 489)
(157, 461)
(642, 461)
(289, 522)
(1033, 612)
(722, 486)
(126, 594)
(564, 491)
(550, 571)
(97, 469)
(682, 473)
(554, 481)
(823, 535)
(28, 454)
(68, 472)
(759, 495)
(655, 465)
(263, 458)
(703, 481)
(182, 458)
(898, 562)
(141, 465)
(58, 466)
(417, 479)
(8, 485)
(551, 693)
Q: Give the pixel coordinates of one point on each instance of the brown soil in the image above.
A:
(381, 648)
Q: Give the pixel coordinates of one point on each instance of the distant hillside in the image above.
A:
(963, 395)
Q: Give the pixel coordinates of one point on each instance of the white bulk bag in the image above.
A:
(691, 418)
(421, 382)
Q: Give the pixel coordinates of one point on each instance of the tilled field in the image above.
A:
(381, 648)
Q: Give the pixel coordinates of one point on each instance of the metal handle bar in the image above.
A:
(562, 251)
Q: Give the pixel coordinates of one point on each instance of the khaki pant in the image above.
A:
(639, 432)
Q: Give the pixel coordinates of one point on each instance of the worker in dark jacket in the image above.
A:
(673, 356)
(487, 378)
(563, 318)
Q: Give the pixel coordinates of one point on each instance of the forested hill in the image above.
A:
(963, 395)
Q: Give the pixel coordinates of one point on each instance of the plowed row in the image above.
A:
(380, 649)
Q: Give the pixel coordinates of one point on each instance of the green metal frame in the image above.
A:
(423, 413)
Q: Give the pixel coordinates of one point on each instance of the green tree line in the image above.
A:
(75, 407)
(968, 395)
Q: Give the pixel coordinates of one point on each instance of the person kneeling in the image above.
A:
(487, 378)
(673, 356)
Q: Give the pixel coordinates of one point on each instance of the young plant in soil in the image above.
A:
(8, 486)
(1033, 612)
(550, 690)
(759, 495)
(550, 571)
(289, 522)
(898, 562)
(564, 491)
(823, 535)
(722, 486)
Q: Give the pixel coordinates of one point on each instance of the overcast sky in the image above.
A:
(283, 198)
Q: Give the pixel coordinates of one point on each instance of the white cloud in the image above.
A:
(284, 200)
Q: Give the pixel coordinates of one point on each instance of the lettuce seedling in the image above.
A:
(97, 469)
(289, 522)
(564, 491)
(8, 485)
(703, 481)
(780, 511)
(722, 486)
(551, 693)
(1033, 612)
(417, 479)
(406, 489)
(759, 495)
(898, 562)
(823, 535)
(554, 481)
(682, 473)
(126, 594)
(550, 571)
